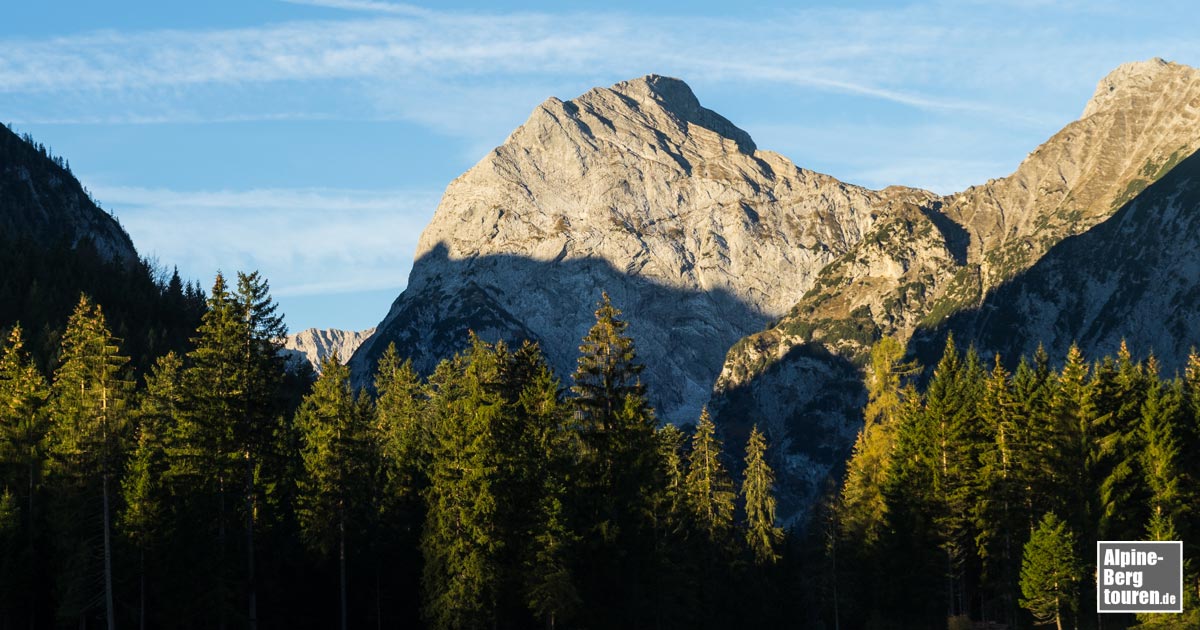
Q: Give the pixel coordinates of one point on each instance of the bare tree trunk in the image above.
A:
(250, 579)
(142, 589)
(221, 551)
(108, 581)
(342, 559)
(32, 553)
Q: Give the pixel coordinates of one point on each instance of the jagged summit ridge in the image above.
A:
(314, 345)
(677, 99)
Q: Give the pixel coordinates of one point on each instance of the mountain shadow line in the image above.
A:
(682, 335)
(1135, 276)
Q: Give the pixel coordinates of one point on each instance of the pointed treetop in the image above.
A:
(608, 369)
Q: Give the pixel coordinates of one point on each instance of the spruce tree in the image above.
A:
(259, 379)
(405, 444)
(1033, 435)
(543, 453)
(762, 536)
(607, 373)
(998, 510)
(1073, 418)
(23, 425)
(1162, 458)
(223, 445)
(550, 586)
(143, 488)
(862, 511)
(913, 543)
(950, 411)
(615, 495)
(405, 437)
(202, 451)
(708, 486)
(338, 454)
(461, 539)
(1119, 393)
(90, 400)
(1050, 572)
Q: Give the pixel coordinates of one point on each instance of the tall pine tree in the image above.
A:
(23, 395)
(229, 426)
(618, 460)
(461, 538)
(709, 488)
(143, 487)
(90, 412)
(1051, 572)
(337, 449)
(762, 536)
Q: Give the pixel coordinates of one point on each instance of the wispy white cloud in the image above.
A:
(827, 51)
(936, 94)
(306, 241)
(935, 57)
(368, 6)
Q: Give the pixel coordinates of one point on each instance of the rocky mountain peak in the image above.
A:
(677, 99)
(1136, 79)
(702, 240)
(639, 190)
(653, 110)
(315, 345)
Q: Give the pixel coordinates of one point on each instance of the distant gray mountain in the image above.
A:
(315, 345)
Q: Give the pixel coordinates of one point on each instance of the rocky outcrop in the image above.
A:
(41, 201)
(912, 274)
(700, 238)
(314, 345)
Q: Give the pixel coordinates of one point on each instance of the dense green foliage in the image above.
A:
(219, 491)
(988, 489)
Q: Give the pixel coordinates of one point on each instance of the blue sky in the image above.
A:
(312, 139)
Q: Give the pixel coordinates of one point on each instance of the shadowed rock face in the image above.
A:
(702, 239)
(638, 190)
(912, 273)
(1135, 278)
(42, 202)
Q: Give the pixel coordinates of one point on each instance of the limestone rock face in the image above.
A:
(947, 266)
(314, 345)
(637, 190)
(733, 265)
(41, 200)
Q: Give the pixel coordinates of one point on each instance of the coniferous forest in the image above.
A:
(980, 497)
(217, 488)
(214, 486)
